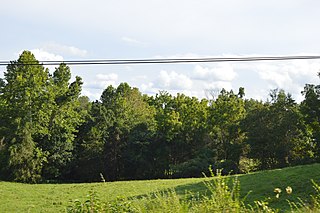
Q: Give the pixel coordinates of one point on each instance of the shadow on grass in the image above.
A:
(261, 185)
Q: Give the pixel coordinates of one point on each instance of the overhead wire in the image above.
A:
(166, 60)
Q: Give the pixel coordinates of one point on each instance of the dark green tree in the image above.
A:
(39, 117)
(130, 111)
(23, 97)
(276, 132)
(225, 115)
(89, 151)
(310, 108)
(115, 140)
(181, 132)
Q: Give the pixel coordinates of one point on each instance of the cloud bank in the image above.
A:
(64, 49)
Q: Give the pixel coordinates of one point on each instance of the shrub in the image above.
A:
(247, 165)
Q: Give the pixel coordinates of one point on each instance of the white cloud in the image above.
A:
(42, 55)
(92, 95)
(64, 49)
(218, 85)
(275, 75)
(220, 72)
(290, 76)
(173, 80)
(102, 81)
(148, 88)
(193, 93)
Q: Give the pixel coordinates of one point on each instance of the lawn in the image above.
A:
(18, 197)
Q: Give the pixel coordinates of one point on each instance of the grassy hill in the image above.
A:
(17, 197)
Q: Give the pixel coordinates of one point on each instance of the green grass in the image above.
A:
(263, 183)
(17, 197)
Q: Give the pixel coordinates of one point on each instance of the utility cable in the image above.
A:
(168, 61)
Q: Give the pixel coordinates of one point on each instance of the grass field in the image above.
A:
(17, 197)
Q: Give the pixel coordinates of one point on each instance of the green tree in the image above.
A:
(117, 136)
(25, 159)
(130, 110)
(225, 115)
(276, 132)
(39, 119)
(310, 108)
(64, 116)
(166, 128)
(88, 160)
(181, 131)
(22, 97)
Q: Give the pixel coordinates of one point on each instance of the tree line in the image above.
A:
(49, 132)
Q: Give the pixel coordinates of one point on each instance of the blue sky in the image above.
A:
(126, 29)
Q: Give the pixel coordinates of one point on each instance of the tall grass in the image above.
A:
(223, 195)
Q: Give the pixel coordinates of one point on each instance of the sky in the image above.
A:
(140, 29)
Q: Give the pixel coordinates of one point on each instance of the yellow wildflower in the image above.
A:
(289, 190)
(277, 191)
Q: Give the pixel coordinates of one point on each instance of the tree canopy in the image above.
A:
(49, 132)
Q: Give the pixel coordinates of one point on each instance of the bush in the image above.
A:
(247, 165)
(93, 205)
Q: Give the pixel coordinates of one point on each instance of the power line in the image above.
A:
(169, 61)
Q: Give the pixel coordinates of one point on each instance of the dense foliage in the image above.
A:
(49, 132)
